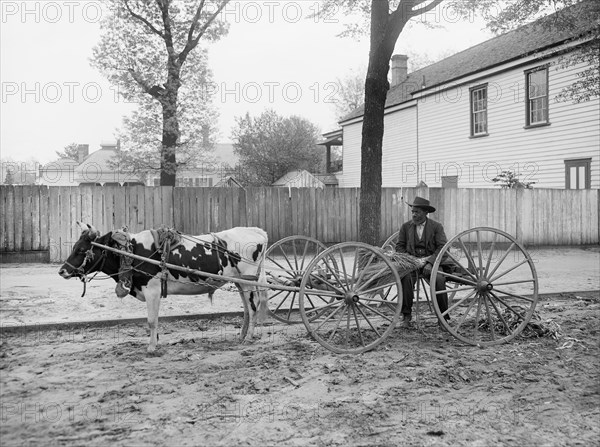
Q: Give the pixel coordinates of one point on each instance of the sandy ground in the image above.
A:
(97, 386)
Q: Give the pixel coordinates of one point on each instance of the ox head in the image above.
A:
(81, 260)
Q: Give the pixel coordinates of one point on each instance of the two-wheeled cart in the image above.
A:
(347, 307)
(349, 296)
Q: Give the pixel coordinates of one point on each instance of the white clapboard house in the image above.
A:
(491, 108)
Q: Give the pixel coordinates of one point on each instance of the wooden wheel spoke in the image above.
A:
(490, 255)
(339, 321)
(375, 311)
(368, 321)
(374, 289)
(459, 302)
(479, 252)
(321, 310)
(362, 341)
(500, 275)
(328, 283)
(470, 259)
(457, 279)
(476, 325)
(508, 306)
(520, 281)
(499, 313)
(372, 279)
(278, 264)
(489, 317)
(376, 300)
(506, 253)
(463, 317)
(285, 256)
(458, 264)
(329, 317)
(363, 270)
(458, 289)
(289, 313)
(521, 297)
(335, 273)
(347, 328)
(282, 301)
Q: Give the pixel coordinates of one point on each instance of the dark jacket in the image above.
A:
(433, 236)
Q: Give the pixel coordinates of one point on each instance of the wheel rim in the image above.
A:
(497, 286)
(390, 242)
(285, 263)
(359, 309)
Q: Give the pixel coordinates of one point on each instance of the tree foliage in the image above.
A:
(149, 51)
(141, 135)
(270, 145)
(69, 151)
(510, 180)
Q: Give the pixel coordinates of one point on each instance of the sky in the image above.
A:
(273, 57)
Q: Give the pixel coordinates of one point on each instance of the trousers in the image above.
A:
(408, 282)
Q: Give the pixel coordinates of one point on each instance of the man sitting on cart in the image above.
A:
(424, 238)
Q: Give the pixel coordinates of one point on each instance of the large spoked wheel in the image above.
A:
(285, 263)
(360, 297)
(497, 286)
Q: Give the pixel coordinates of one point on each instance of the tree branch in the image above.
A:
(193, 42)
(434, 4)
(142, 19)
(155, 91)
(163, 5)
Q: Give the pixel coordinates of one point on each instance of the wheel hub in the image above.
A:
(351, 298)
(484, 286)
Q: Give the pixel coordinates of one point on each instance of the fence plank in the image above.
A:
(27, 217)
(10, 217)
(54, 224)
(44, 218)
(65, 222)
(18, 218)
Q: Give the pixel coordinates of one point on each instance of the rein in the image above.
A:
(89, 255)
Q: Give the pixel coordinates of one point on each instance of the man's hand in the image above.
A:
(427, 269)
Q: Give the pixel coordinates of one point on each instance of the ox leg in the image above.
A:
(249, 311)
(153, 304)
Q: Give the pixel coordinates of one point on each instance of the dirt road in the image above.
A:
(97, 386)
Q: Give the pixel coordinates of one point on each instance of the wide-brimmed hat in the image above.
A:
(422, 203)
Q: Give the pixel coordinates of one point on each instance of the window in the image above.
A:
(479, 111)
(450, 181)
(536, 82)
(577, 173)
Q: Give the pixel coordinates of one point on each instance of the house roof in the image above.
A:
(99, 159)
(61, 164)
(516, 44)
(228, 181)
(299, 178)
(328, 179)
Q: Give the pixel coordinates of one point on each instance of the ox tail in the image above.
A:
(263, 290)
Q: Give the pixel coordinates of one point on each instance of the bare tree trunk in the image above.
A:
(170, 139)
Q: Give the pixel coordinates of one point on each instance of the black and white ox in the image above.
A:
(235, 253)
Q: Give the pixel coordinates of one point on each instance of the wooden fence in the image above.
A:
(43, 219)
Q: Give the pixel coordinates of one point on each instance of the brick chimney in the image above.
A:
(399, 69)
(83, 150)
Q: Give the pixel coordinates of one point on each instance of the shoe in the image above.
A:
(406, 320)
